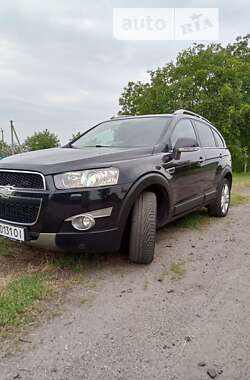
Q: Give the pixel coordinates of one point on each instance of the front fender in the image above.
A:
(152, 181)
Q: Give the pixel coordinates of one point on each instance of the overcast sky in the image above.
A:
(62, 69)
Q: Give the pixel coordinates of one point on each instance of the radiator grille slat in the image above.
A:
(22, 180)
(16, 207)
(20, 209)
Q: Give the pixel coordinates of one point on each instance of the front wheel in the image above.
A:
(221, 205)
(143, 229)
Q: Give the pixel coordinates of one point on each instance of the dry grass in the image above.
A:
(18, 298)
(196, 219)
(241, 181)
(29, 277)
(178, 269)
(238, 199)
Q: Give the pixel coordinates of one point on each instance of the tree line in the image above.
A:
(212, 80)
(39, 140)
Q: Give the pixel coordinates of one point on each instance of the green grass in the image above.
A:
(193, 220)
(17, 299)
(76, 262)
(4, 247)
(241, 180)
(73, 262)
(178, 269)
(199, 218)
(238, 199)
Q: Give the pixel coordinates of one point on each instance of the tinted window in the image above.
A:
(183, 129)
(125, 133)
(218, 139)
(205, 134)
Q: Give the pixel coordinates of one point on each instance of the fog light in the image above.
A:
(83, 222)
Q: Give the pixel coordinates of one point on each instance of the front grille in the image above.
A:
(22, 180)
(21, 210)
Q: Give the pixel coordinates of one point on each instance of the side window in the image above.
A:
(218, 139)
(183, 129)
(205, 134)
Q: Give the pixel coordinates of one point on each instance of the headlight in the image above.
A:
(87, 178)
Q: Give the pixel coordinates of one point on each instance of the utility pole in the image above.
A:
(12, 135)
(2, 135)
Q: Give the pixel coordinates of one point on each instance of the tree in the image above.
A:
(212, 80)
(8, 150)
(5, 149)
(75, 136)
(41, 140)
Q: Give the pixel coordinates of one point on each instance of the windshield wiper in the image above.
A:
(100, 146)
(69, 146)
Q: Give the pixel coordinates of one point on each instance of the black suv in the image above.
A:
(127, 174)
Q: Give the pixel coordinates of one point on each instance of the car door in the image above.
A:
(185, 170)
(212, 155)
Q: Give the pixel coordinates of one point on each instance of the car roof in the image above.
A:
(178, 113)
(142, 116)
(166, 115)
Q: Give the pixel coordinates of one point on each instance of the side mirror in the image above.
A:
(185, 145)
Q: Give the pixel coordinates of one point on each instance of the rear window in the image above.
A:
(205, 134)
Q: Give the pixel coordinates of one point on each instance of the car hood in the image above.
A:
(58, 160)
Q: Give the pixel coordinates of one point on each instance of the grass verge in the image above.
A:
(238, 199)
(18, 298)
(31, 279)
(5, 247)
(198, 219)
(194, 220)
(241, 180)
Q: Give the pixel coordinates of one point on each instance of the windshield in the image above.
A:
(124, 133)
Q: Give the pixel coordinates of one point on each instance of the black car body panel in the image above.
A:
(181, 183)
(58, 160)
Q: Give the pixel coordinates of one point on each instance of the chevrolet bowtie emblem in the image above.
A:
(6, 191)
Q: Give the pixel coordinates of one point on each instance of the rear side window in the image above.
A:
(218, 139)
(183, 129)
(205, 134)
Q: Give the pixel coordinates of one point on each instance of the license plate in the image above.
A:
(12, 232)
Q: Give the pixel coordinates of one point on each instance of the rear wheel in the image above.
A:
(143, 229)
(221, 205)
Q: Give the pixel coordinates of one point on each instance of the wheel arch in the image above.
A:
(227, 173)
(154, 182)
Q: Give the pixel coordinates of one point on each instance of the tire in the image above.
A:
(143, 229)
(220, 206)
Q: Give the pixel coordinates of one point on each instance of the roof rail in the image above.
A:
(182, 111)
(120, 116)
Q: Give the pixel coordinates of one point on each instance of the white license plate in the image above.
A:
(12, 232)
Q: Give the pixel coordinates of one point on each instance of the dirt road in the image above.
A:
(150, 322)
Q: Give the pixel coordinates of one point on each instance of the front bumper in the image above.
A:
(53, 228)
(99, 241)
